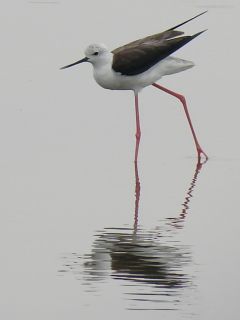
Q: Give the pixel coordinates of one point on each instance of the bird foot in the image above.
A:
(202, 156)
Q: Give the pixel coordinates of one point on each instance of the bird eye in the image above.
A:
(95, 53)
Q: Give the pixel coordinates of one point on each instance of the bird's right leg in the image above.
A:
(184, 103)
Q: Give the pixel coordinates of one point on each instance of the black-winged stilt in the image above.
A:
(139, 64)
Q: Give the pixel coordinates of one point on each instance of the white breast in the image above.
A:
(109, 79)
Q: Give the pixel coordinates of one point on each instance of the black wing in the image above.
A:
(140, 55)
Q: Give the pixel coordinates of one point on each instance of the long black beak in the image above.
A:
(73, 64)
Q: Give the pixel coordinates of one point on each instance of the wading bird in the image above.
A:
(139, 64)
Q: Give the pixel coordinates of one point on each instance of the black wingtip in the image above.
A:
(181, 24)
(198, 34)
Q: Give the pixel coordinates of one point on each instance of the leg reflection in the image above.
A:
(177, 222)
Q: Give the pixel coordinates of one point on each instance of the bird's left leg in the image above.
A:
(138, 129)
(184, 103)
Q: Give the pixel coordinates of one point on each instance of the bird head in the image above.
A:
(96, 54)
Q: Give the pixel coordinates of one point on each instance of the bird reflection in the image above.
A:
(140, 256)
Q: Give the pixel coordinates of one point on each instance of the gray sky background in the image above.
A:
(67, 149)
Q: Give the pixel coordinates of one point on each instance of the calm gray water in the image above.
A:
(83, 234)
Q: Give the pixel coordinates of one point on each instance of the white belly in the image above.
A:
(109, 79)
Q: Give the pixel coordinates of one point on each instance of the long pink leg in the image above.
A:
(138, 129)
(183, 101)
(137, 196)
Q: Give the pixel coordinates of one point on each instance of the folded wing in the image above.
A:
(140, 55)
